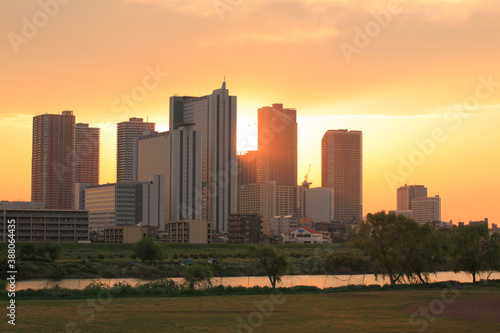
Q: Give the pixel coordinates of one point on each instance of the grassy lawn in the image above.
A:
(341, 312)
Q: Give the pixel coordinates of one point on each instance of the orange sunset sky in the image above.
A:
(427, 70)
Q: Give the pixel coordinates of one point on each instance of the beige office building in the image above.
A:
(406, 195)
(427, 209)
(342, 170)
(267, 199)
(319, 204)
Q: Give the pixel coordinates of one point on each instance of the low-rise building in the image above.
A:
(189, 231)
(306, 235)
(283, 224)
(128, 234)
(244, 228)
(42, 225)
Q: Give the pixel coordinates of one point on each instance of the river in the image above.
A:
(320, 281)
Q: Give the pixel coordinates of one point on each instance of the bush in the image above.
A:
(175, 256)
(195, 256)
(100, 256)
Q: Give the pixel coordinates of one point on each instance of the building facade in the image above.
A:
(44, 225)
(87, 149)
(427, 209)
(52, 164)
(189, 231)
(407, 193)
(319, 204)
(214, 117)
(244, 228)
(342, 170)
(126, 132)
(176, 157)
(128, 234)
(277, 145)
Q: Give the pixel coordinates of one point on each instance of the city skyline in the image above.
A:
(415, 104)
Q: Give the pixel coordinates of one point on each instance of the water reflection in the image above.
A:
(320, 281)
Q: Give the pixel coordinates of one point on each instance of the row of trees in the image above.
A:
(394, 246)
(407, 252)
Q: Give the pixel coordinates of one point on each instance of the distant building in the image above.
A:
(319, 204)
(267, 199)
(484, 222)
(175, 156)
(306, 235)
(247, 167)
(406, 195)
(427, 209)
(79, 201)
(283, 224)
(43, 225)
(126, 132)
(244, 228)
(214, 117)
(116, 205)
(192, 232)
(52, 163)
(407, 213)
(87, 148)
(277, 143)
(247, 170)
(128, 234)
(342, 170)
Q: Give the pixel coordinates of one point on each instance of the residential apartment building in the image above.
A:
(342, 170)
(244, 228)
(189, 231)
(52, 163)
(427, 209)
(126, 132)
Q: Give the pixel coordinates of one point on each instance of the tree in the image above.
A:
(470, 248)
(381, 237)
(426, 253)
(52, 249)
(149, 251)
(401, 248)
(274, 263)
(492, 254)
(28, 250)
(198, 276)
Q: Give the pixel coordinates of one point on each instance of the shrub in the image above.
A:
(100, 256)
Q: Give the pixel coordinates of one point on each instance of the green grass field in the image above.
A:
(338, 312)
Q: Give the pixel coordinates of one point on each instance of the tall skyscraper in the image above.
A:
(247, 170)
(87, 148)
(277, 140)
(126, 132)
(52, 165)
(214, 116)
(342, 170)
(176, 157)
(408, 193)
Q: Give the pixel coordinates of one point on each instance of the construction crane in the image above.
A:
(305, 183)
